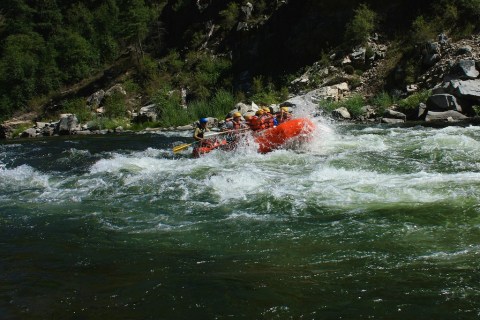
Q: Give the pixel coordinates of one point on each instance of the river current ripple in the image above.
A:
(363, 222)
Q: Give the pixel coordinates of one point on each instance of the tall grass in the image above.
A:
(353, 104)
(173, 114)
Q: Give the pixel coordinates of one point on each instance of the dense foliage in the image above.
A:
(51, 46)
(53, 43)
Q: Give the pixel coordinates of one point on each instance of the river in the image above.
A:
(363, 222)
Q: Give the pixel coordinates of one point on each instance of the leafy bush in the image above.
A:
(414, 100)
(348, 69)
(115, 106)
(422, 31)
(79, 108)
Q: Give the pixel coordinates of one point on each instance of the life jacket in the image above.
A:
(237, 125)
(283, 118)
(256, 123)
(200, 131)
(268, 121)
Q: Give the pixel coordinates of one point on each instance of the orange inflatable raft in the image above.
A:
(300, 130)
(270, 139)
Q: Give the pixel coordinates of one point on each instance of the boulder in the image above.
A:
(341, 113)
(392, 120)
(431, 53)
(8, 128)
(67, 124)
(29, 133)
(116, 89)
(247, 10)
(358, 56)
(421, 110)
(468, 89)
(392, 114)
(146, 114)
(242, 108)
(187, 127)
(443, 102)
(449, 115)
(464, 50)
(96, 99)
(48, 131)
(368, 112)
(464, 70)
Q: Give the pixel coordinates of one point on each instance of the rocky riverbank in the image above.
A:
(451, 79)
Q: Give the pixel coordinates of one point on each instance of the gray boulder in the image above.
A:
(443, 102)
(48, 131)
(147, 114)
(29, 133)
(391, 114)
(468, 89)
(464, 70)
(116, 89)
(341, 113)
(450, 115)
(392, 120)
(358, 56)
(67, 124)
(431, 53)
(96, 99)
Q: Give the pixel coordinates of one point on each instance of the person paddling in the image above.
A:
(200, 130)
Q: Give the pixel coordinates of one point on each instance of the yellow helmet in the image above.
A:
(248, 117)
(259, 112)
(237, 114)
(266, 109)
(284, 109)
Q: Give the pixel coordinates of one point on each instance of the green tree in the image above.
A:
(107, 30)
(19, 66)
(230, 16)
(76, 57)
(422, 31)
(362, 25)
(138, 18)
(48, 17)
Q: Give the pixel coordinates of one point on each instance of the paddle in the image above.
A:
(182, 147)
(206, 135)
(210, 134)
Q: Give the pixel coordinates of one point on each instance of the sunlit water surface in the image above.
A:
(363, 222)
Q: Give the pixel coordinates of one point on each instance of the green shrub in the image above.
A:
(422, 31)
(362, 25)
(348, 69)
(412, 101)
(476, 109)
(148, 68)
(78, 107)
(229, 16)
(18, 130)
(354, 82)
(102, 123)
(115, 106)
(169, 108)
(354, 105)
(131, 86)
(382, 101)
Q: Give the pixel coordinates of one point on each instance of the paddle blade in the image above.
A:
(181, 147)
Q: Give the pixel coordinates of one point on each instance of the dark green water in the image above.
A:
(362, 223)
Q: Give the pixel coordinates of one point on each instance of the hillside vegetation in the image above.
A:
(206, 55)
